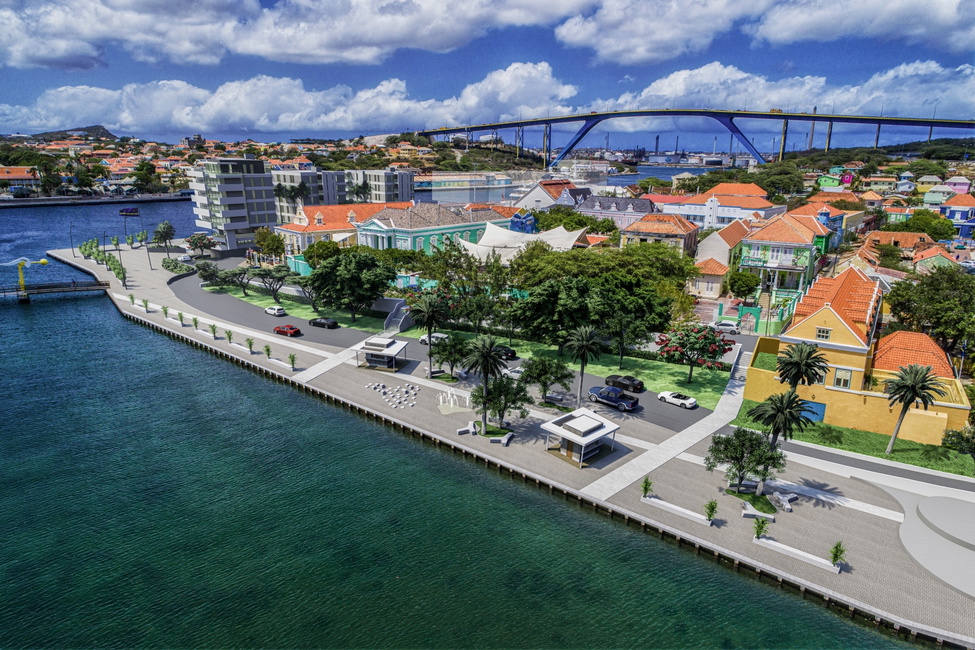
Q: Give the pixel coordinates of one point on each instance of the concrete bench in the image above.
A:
(748, 510)
(784, 500)
(553, 398)
(504, 440)
(471, 428)
(460, 374)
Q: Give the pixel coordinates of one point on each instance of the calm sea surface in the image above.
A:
(152, 495)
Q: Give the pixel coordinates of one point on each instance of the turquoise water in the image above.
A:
(152, 495)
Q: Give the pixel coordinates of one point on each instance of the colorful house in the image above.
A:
(959, 184)
(925, 183)
(937, 195)
(671, 229)
(785, 253)
(960, 209)
(724, 246)
(335, 223)
(425, 226)
(710, 281)
(841, 316)
(722, 204)
(930, 259)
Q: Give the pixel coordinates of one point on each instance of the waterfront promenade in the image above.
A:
(905, 564)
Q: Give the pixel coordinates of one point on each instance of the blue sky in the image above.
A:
(274, 70)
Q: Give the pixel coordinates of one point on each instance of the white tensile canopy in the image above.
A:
(508, 243)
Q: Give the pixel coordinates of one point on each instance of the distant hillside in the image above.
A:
(97, 132)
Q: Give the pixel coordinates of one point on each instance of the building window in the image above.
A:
(842, 378)
(822, 334)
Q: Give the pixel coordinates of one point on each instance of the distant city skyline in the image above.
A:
(272, 71)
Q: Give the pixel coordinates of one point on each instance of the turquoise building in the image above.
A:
(425, 226)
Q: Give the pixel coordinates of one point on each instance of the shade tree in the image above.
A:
(696, 346)
(746, 453)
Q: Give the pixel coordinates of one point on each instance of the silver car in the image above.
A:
(724, 326)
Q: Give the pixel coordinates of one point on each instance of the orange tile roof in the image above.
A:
(961, 200)
(711, 266)
(592, 240)
(661, 224)
(789, 229)
(813, 209)
(934, 251)
(829, 197)
(554, 188)
(738, 189)
(734, 232)
(851, 295)
(664, 198)
(506, 211)
(746, 202)
(901, 349)
(870, 195)
(336, 217)
(904, 240)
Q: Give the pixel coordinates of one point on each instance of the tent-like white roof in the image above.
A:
(508, 243)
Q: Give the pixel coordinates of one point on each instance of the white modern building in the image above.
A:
(384, 186)
(233, 197)
(288, 208)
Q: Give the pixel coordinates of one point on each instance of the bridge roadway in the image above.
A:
(53, 287)
(725, 117)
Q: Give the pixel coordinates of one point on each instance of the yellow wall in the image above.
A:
(826, 317)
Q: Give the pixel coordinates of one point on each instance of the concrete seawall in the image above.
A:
(863, 613)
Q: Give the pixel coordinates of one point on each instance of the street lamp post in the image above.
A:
(71, 237)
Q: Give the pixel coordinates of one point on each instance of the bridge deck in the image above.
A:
(54, 287)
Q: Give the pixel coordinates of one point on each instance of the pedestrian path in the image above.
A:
(630, 473)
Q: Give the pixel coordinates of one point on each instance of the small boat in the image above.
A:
(129, 212)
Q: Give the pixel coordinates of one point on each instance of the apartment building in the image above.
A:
(384, 186)
(233, 197)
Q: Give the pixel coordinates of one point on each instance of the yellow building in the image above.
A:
(841, 316)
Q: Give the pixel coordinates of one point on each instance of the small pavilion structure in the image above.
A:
(579, 434)
(380, 353)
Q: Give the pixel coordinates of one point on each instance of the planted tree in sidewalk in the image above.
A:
(746, 453)
(801, 363)
(180, 316)
(960, 440)
(165, 311)
(646, 486)
(583, 345)
(915, 384)
(484, 358)
(710, 509)
(546, 372)
(292, 359)
(267, 351)
(164, 234)
(783, 414)
(760, 527)
(837, 554)
(506, 395)
(213, 330)
(696, 346)
(145, 304)
(429, 313)
(451, 351)
(196, 323)
(229, 335)
(130, 240)
(132, 299)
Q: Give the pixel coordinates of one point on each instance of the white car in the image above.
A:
(514, 373)
(184, 258)
(724, 326)
(681, 400)
(436, 338)
(275, 310)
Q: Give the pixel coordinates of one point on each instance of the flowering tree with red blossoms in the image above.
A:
(698, 346)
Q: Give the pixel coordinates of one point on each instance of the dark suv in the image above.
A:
(626, 382)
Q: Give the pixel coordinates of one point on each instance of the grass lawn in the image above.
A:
(657, 376)
(765, 361)
(301, 310)
(873, 444)
(494, 431)
(760, 503)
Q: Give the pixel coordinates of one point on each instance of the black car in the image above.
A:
(626, 382)
(506, 353)
(328, 323)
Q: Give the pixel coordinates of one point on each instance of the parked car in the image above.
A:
(275, 310)
(724, 327)
(506, 353)
(613, 396)
(327, 323)
(681, 400)
(287, 330)
(184, 258)
(626, 382)
(436, 338)
(514, 373)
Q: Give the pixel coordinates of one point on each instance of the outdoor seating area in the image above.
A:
(783, 500)
(471, 428)
(505, 439)
(748, 510)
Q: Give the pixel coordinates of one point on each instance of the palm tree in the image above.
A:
(583, 345)
(783, 414)
(915, 383)
(164, 234)
(485, 359)
(429, 313)
(801, 363)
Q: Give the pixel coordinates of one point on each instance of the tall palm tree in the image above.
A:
(164, 234)
(915, 383)
(583, 345)
(484, 358)
(429, 313)
(801, 363)
(783, 414)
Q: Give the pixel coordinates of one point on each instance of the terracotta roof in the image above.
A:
(734, 232)
(901, 349)
(506, 211)
(961, 200)
(592, 240)
(336, 217)
(870, 195)
(738, 189)
(661, 224)
(744, 202)
(664, 198)
(931, 252)
(813, 209)
(789, 229)
(904, 240)
(829, 197)
(851, 295)
(554, 188)
(711, 266)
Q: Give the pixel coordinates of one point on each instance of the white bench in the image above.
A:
(504, 440)
(784, 500)
(460, 374)
(748, 510)
(471, 428)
